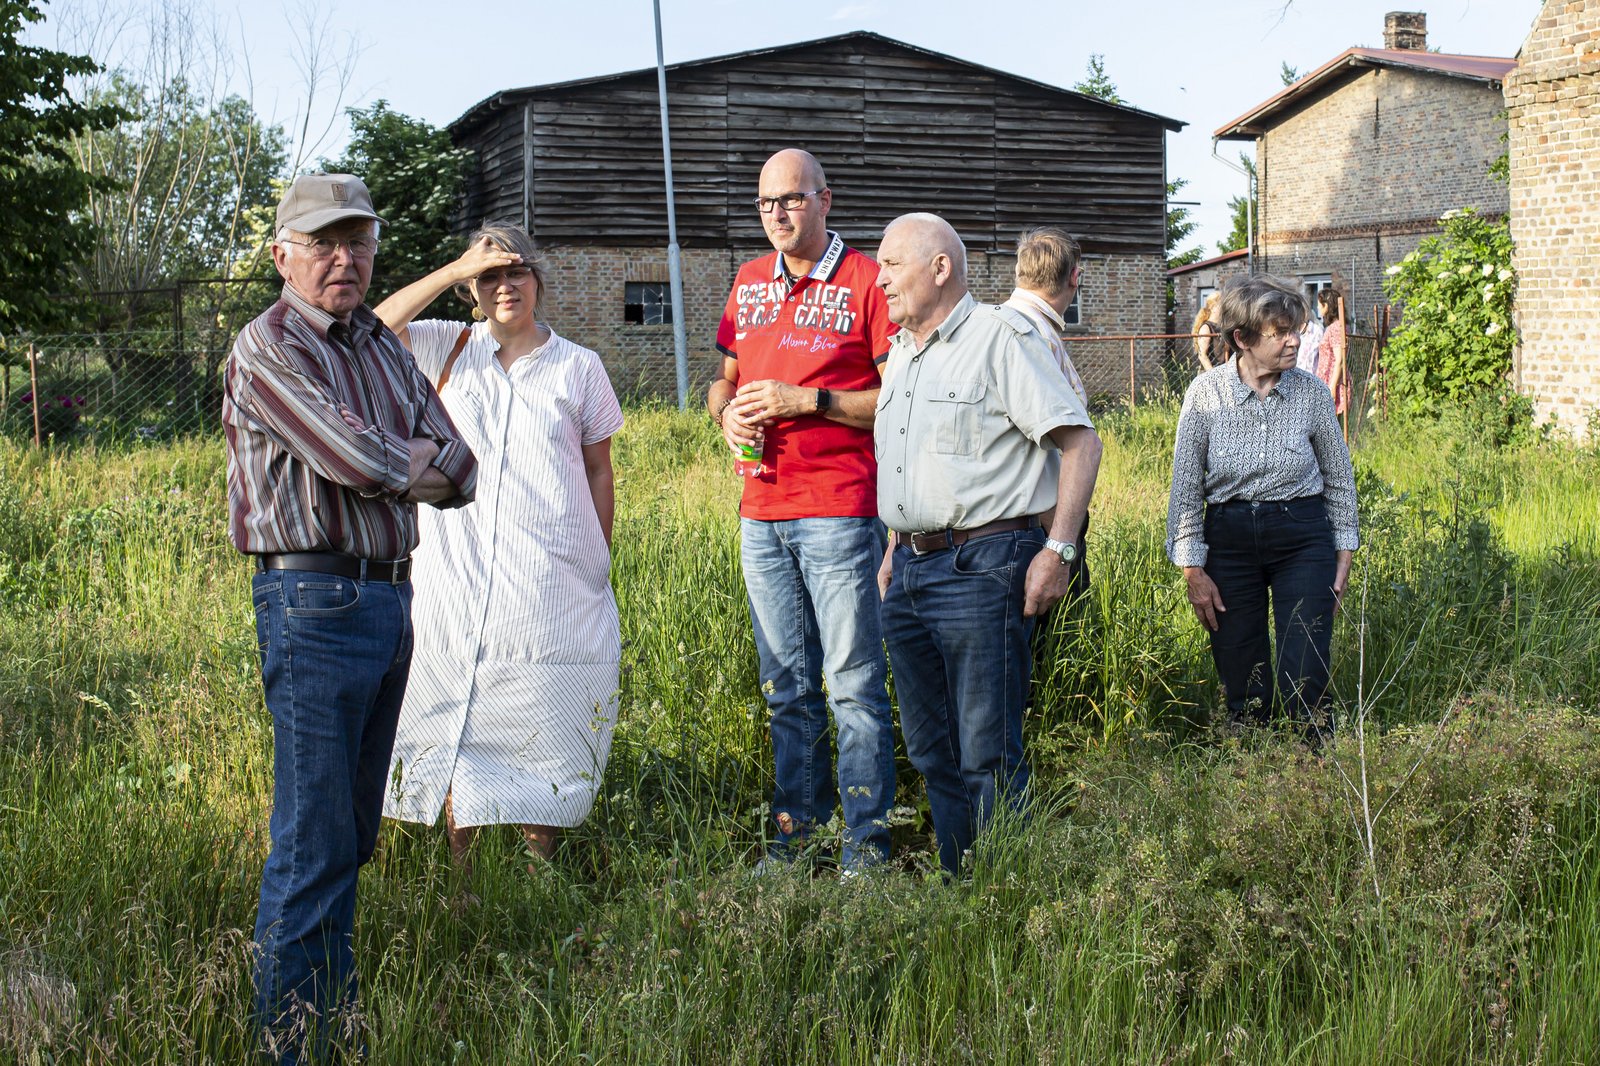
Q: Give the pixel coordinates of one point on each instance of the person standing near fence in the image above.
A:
(972, 403)
(333, 438)
(803, 336)
(1330, 363)
(1048, 273)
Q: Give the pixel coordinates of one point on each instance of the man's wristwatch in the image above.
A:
(1064, 548)
(824, 401)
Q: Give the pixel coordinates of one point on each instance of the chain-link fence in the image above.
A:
(160, 374)
(141, 364)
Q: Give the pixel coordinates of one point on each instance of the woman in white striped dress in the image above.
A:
(513, 692)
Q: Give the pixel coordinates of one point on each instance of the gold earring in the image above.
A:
(478, 315)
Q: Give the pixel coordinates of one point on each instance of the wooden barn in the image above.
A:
(897, 128)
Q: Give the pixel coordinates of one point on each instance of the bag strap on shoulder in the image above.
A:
(450, 360)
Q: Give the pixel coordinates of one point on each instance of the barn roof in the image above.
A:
(1353, 61)
(508, 97)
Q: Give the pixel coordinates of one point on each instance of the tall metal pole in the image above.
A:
(680, 335)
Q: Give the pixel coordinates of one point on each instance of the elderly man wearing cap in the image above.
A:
(333, 438)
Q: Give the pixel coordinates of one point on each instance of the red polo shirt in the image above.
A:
(830, 331)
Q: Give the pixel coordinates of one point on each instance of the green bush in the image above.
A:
(1454, 345)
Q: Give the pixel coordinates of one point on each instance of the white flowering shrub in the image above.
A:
(1453, 346)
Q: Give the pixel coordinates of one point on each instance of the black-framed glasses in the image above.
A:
(362, 247)
(789, 201)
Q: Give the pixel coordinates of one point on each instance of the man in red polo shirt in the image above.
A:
(803, 336)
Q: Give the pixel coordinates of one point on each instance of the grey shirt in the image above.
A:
(1235, 445)
(962, 427)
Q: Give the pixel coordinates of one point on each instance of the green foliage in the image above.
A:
(1179, 226)
(1288, 75)
(1453, 347)
(1097, 83)
(188, 173)
(1246, 212)
(1193, 902)
(42, 190)
(416, 177)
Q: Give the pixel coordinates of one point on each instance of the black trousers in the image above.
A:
(1279, 553)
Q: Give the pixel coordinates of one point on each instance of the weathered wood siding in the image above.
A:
(897, 130)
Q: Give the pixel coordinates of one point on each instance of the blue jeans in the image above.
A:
(335, 653)
(959, 645)
(814, 602)
(1286, 550)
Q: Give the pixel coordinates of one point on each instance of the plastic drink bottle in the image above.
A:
(749, 462)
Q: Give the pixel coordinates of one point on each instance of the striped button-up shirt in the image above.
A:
(300, 478)
(1235, 445)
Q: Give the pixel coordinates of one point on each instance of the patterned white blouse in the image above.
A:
(1235, 445)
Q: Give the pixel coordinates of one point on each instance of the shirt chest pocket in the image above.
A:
(955, 411)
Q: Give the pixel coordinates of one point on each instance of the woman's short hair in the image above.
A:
(1046, 259)
(1328, 304)
(512, 238)
(1251, 305)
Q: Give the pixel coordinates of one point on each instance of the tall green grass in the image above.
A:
(1175, 899)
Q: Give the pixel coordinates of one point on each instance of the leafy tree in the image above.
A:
(1246, 211)
(1289, 74)
(1179, 226)
(416, 177)
(42, 190)
(188, 172)
(1097, 84)
(1453, 348)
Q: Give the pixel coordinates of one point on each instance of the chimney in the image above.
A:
(1406, 31)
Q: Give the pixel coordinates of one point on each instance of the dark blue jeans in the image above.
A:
(959, 648)
(1282, 551)
(814, 602)
(335, 653)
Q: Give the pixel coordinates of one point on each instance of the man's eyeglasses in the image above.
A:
(328, 247)
(516, 275)
(789, 201)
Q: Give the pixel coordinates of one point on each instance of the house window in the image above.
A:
(1073, 315)
(1314, 284)
(1202, 293)
(647, 303)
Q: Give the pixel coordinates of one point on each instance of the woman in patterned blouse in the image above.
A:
(1263, 507)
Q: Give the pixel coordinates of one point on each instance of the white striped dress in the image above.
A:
(513, 689)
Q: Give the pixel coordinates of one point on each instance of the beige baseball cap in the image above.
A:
(318, 200)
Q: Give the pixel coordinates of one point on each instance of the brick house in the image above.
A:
(1357, 160)
(897, 128)
(1193, 283)
(1552, 98)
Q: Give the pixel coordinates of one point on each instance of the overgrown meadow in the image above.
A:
(1427, 892)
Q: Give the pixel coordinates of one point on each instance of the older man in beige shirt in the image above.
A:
(1048, 272)
(972, 404)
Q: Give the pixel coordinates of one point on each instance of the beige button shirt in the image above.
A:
(962, 427)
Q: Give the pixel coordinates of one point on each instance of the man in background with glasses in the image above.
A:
(333, 437)
(803, 338)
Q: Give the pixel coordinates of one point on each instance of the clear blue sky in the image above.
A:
(1200, 64)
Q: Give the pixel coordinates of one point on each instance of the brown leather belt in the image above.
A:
(923, 543)
(388, 571)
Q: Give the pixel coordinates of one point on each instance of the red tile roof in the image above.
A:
(1252, 123)
(1213, 261)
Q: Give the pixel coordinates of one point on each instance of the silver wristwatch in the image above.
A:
(1064, 548)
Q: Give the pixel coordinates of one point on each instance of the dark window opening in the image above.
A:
(1073, 315)
(647, 303)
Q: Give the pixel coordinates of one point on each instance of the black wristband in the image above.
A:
(824, 401)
